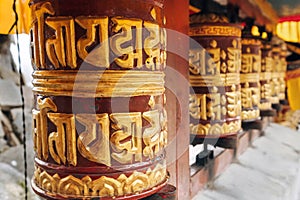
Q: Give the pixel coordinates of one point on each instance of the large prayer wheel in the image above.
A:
(215, 61)
(99, 117)
(250, 79)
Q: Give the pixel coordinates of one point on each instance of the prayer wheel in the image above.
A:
(250, 79)
(99, 120)
(282, 71)
(215, 61)
(265, 76)
(275, 83)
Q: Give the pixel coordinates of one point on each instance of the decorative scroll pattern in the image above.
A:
(250, 114)
(215, 129)
(265, 105)
(208, 18)
(205, 30)
(103, 186)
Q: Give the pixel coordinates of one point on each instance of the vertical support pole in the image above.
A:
(177, 12)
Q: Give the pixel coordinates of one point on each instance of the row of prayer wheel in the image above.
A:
(233, 76)
(99, 118)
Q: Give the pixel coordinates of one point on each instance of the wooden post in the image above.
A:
(177, 12)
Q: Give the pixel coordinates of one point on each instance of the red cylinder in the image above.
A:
(215, 61)
(250, 78)
(99, 117)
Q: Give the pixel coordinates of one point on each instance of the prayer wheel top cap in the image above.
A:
(207, 18)
(159, 3)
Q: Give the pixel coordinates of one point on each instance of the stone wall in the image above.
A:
(11, 128)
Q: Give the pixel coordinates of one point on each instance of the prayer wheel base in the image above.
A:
(277, 107)
(168, 192)
(141, 195)
(284, 102)
(268, 113)
(257, 125)
(228, 142)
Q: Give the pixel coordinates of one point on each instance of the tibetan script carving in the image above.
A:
(128, 143)
(62, 49)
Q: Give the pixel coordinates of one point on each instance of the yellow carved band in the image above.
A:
(205, 81)
(281, 96)
(265, 76)
(215, 129)
(232, 78)
(277, 75)
(228, 79)
(103, 186)
(265, 106)
(247, 41)
(250, 114)
(274, 99)
(207, 30)
(108, 83)
(250, 78)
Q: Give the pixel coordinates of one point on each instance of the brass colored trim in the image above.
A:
(247, 41)
(108, 83)
(265, 76)
(228, 79)
(205, 30)
(204, 81)
(250, 78)
(194, 9)
(232, 78)
(277, 75)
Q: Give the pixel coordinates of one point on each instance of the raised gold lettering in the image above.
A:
(197, 61)
(38, 44)
(151, 135)
(129, 54)
(61, 47)
(214, 63)
(100, 55)
(234, 57)
(198, 106)
(126, 141)
(62, 143)
(93, 142)
(40, 124)
(152, 46)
